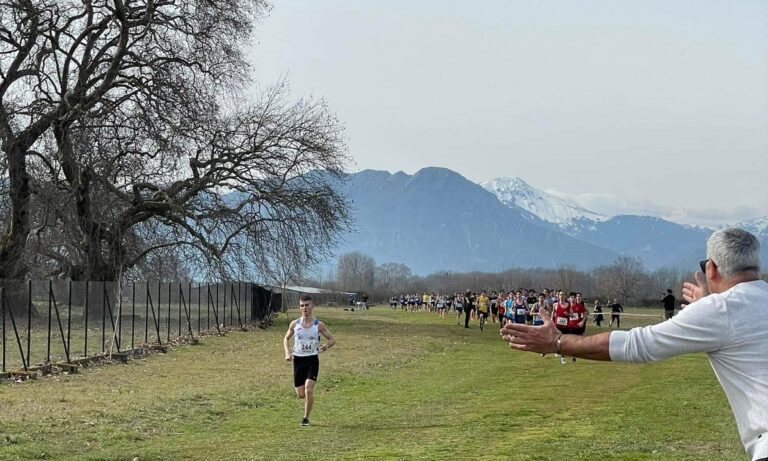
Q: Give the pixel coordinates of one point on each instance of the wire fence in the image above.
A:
(64, 321)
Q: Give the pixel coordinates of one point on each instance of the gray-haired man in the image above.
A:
(727, 318)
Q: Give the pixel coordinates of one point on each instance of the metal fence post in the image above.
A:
(133, 313)
(159, 308)
(50, 292)
(2, 309)
(168, 332)
(69, 318)
(179, 304)
(103, 316)
(29, 319)
(199, 305)
(87, 298)
(147, 300)
(119, 314)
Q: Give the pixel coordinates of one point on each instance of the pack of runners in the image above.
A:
(567, 310)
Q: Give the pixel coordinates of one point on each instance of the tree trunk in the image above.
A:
(14, 239)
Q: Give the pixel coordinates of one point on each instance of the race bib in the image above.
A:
(306, 346)
(562, 321)
(521, 312)
(574, 316)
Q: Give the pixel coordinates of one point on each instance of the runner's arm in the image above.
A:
(288, 336)
(327, 334)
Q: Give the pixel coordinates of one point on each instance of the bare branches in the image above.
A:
(235, 190)
(81, 70)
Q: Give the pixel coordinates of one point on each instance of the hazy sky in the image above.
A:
(625, 106)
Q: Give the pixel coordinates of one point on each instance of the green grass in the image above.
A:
(397, 386)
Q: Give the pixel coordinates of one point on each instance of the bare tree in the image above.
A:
(391, 278)
(355, 271)
(622, 278)
(657, 282)
(126, 122)
(64, 63)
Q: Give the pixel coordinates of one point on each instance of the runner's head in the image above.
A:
(306, 305)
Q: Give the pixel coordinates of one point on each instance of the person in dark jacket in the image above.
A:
(616, 311)
(669, 304)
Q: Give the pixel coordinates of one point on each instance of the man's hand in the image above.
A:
(288, 357)
(323, 348)
(692, 292)
(530, 338)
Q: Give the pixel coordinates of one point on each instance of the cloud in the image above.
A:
(612, 205)
(711, 217)
(609, 204)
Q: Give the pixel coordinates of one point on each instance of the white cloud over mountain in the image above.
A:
(694, 213)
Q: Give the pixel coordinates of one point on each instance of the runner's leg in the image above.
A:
(309, 400)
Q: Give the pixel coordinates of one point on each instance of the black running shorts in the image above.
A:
(578, 330)
(305, 368)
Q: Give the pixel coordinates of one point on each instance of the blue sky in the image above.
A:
(658, 107)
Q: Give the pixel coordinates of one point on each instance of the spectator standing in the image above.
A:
(669, 304)
(598, 310)
(616, 311)
(468, 307)
(726, 319)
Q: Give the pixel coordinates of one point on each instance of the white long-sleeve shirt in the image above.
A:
(732, 328)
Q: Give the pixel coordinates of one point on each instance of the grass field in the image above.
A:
(396, 386)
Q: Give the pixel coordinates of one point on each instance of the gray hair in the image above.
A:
(734, 251)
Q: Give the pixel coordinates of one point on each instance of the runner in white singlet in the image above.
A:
(306, 332)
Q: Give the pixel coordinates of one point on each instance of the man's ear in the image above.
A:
(713, 272)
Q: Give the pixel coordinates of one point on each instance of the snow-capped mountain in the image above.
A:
(561, 212)
(758, 226)
(656, 241)
(437, 220)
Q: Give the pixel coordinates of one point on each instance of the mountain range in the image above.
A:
(437, 220)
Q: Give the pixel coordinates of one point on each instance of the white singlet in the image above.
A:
(306, 341)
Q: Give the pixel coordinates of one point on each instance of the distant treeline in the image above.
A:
(626, 279)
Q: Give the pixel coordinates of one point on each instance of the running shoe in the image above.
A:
(304, 422)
